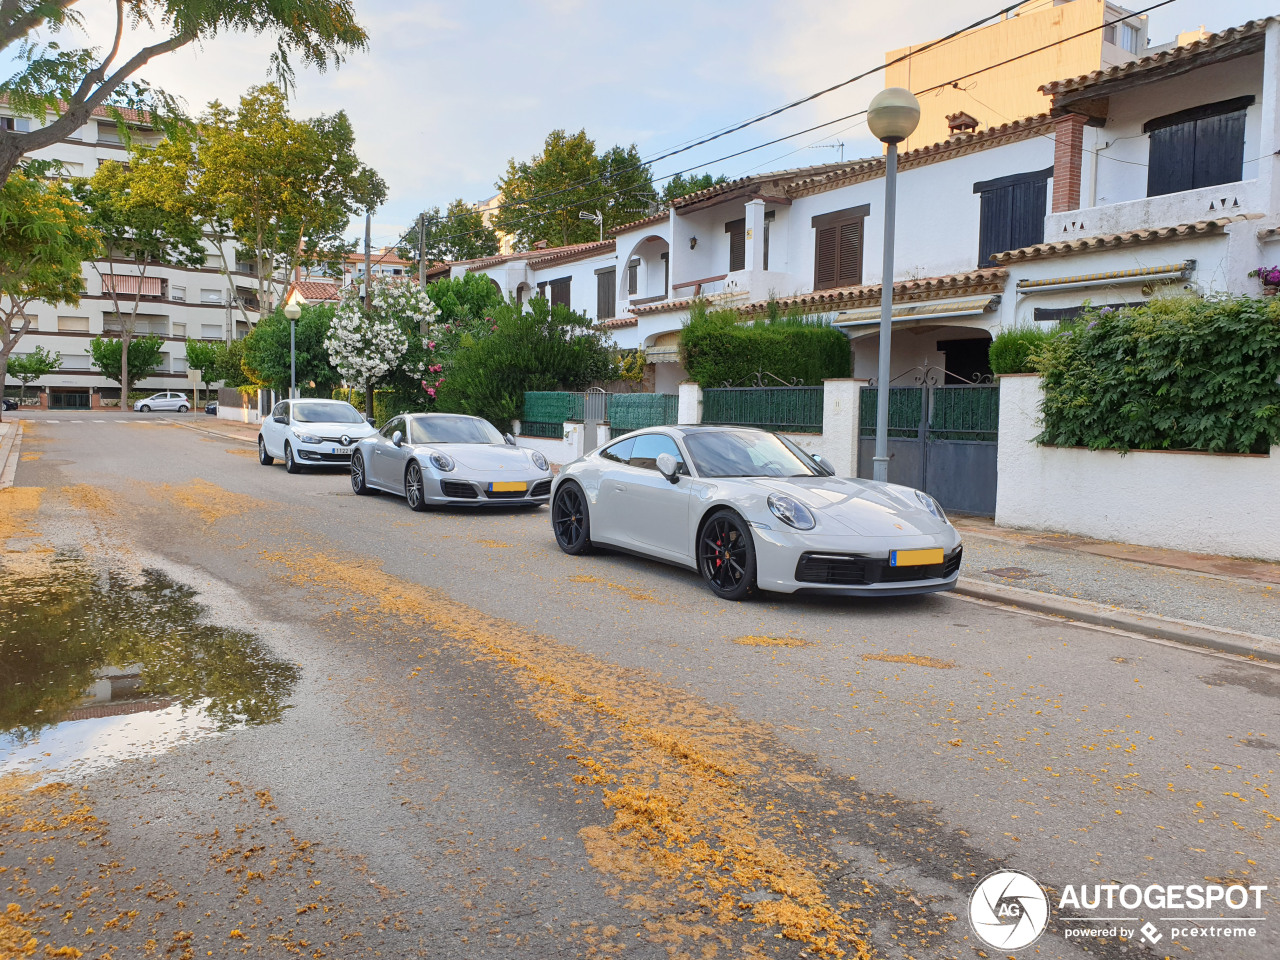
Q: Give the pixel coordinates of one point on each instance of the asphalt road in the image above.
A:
(493, 749)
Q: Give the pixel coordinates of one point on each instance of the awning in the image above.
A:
(123, 283)
(1163, 274)
(662, 354)
(933, 310)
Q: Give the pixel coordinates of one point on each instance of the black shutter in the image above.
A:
(605, 296)
(1219, 149)
(1026, 223)
(560, 292)
(994, 231)
(633, 270)
(826, 258)
(1171, 164)
(737, 231)
(666, 274)
(850, 254)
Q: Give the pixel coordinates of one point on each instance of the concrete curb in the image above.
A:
(212, 433)
(9, 455)
(1166, 628)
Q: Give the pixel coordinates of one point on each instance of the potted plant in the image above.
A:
(1270, 277)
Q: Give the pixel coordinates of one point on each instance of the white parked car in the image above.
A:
(750, 510)
(448, 458)
(318, 432)
(163, 401)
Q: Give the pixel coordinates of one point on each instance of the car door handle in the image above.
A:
(619, 487)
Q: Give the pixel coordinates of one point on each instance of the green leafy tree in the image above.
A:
(202, 356)
(34, 365)
(145, 359)
(67, 82)
(231, 364)
(266, 352)
(544, 347)
(459, 233)
(138, 232)
(43, 239)
(542, 197)
(680, 186)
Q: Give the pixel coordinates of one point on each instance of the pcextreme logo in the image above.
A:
(1008, 910)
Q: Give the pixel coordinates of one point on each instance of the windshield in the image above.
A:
(452, 430)
(729, 453)
(326, 413)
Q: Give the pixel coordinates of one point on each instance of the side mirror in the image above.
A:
(508, 438)
(826, 468)
(371, 421)
(397, 438)
(668, 467)
(284, 420)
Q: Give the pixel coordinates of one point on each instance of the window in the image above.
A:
(633, 277)
(73, 324)
(737, 231)
(559, 291)
(837, 259)
(1013, 212)
(280, 410)
(210, 331)
(647, 447)
(438, 429)
(396, 423)
(1123, 35)
(180, 330)
(1197, 148)
(768, 222)
(620, 452)
(210, 296)
(15, 124)
(666, 274)
(177, 293)
(606, 298)
(178, 364)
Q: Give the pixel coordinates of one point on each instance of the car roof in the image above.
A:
(441, 413)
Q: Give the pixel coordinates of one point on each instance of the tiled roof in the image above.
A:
(1269, 234)
(636, 224)
(577, 251)
(1106, 241)
(989, 280)
(619, 322)
(316, 291)
(129, 114)
(665, 306)
(388, 256)
(1233, 42)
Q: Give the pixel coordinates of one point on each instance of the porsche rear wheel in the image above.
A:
(570, 520)
(727, 556)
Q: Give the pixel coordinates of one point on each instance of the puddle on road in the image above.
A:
(100, 668)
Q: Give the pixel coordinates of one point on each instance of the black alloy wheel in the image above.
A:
(570, 520)
(291, 465)
(727, 556)
(264, 458)
(414, 492)
(359, 483)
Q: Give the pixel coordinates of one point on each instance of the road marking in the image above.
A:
(53, 421)
(99, 421)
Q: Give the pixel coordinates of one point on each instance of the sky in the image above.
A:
(447, 93)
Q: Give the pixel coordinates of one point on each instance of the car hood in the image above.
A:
(485, 457)
(356, 431)
(863, 506)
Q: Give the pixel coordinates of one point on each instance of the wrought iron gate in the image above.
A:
(942, 440)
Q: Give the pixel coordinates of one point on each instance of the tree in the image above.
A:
(43, 239)
(36, 364)
(678, 186)
(69, 83)
(285, 188)
(543, 197)
(266, 351)
(108, 353)
(137, 230)
(202, 355)
(459, 233)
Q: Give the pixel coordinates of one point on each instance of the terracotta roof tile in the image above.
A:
(646, 221)
(577, 251)
(988, 280)
(619, 322)
(1106, 241)
(665, 306)
(1234, 41)
(316, 291)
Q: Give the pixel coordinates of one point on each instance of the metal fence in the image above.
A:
(781, 409)
(906, 406)
(634, 411)
(955, 412)
(545, 412)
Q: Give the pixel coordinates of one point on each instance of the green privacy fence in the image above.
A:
(635, 411)
(956, 412)
(545, 412)
(785, 409)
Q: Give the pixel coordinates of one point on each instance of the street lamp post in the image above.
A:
(292, 312)
(891, 117)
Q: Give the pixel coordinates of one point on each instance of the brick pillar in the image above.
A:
(1068, 153)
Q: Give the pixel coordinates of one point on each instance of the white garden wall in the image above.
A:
(1205, 503)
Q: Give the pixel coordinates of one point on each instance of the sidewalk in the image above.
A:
(229, 429)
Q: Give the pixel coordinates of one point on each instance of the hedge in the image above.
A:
(718, 348)
(1012, 350)
(1178, 373)
(383, 402)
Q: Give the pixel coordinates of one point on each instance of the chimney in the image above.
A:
(540, 245)
(960, 125)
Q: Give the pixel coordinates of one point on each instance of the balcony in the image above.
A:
(1188, 206)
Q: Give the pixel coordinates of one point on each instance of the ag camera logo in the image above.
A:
(1008, 910)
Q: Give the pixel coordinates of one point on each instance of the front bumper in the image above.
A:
(476, 493)
(325, 452)
(793, 562)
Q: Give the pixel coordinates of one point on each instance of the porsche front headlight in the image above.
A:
(791, 511)
(931, 505)
(442, 462)
(539, 460)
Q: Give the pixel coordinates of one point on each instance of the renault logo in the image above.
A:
(346, 441)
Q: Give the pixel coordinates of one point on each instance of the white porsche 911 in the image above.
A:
(750, 510)
(449, 458)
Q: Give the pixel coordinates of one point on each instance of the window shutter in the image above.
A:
(1171, 163)
(850, 259)
(605, 297)
(737, 231)
(994, 232)
(825, 258)
(633, 273)
(1219, 149)
(560, 292)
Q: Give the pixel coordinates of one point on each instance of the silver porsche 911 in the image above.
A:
(443, 458)
(750, 510)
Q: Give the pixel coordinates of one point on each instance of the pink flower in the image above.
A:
(431, 344)
(495, 326)
(424, 386)
(431, 392)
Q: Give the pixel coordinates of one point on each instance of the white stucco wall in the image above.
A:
(1205, 503)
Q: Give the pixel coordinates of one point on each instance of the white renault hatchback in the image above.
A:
(301, 432)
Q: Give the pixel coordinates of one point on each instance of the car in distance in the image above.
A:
(750, 510)
(211, 408)
(433, 459)
(163, 401)
(315, 432)
(8, 403)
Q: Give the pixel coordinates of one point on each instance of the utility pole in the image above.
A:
(368, 302)
(422, 251)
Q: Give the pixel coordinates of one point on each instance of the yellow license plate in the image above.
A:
(915, 558)
(502, 485)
